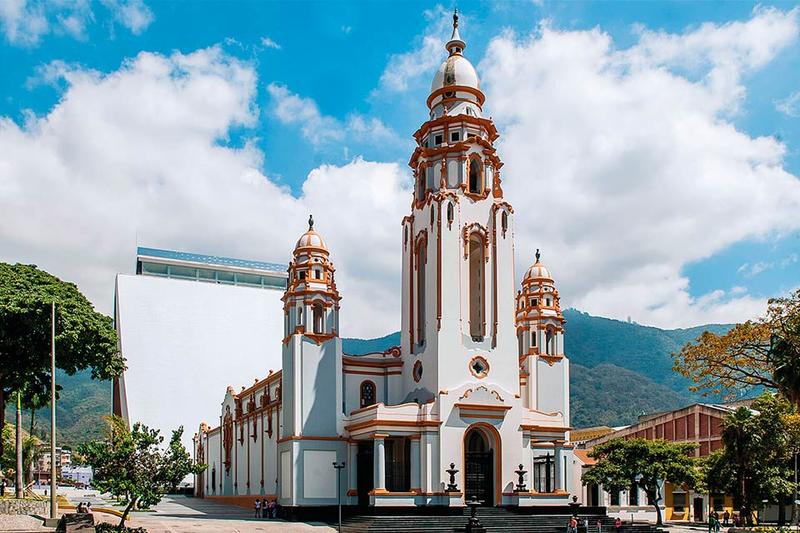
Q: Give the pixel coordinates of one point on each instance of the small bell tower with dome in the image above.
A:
(540, 340)
(312, 354)
(458, 266)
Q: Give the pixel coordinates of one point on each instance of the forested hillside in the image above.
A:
(619, 370)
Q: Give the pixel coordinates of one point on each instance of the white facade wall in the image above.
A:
(211, 335)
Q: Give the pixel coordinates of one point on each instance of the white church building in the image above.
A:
(480, 380)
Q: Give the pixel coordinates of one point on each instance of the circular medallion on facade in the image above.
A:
(479, 366)
(417, 371)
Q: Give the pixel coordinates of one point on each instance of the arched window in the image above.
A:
(521, 342)
(433, 214)
(475, 176)
(421, 260)
(504, 222)
(300, 315)
(367, 393)
(319, 318)
(476, 287)
(550, 342)
(450, 214)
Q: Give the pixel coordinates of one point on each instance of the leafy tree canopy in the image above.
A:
(763, 352)
(84, 337)
(624, 463)
(131, 464)
(756, 461)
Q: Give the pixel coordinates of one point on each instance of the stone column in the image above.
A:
(415, 458)
(379, 458)
(558, 459)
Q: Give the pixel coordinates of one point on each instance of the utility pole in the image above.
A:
(53, 501)
(18, 478)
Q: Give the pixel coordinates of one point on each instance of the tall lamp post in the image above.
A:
(339, 467)
(53, 501)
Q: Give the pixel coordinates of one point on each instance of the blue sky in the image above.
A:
(332, 56)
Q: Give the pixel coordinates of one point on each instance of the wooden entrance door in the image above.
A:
(480, 477)
(478, 468)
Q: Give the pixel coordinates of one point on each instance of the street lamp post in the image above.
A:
(339, 467)
(53, 500)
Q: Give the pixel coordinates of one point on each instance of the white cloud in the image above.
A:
(789, 106)
(750, 270)
(133, 14)
(133, 155)
(624, 167)
(319, 129)
(25, 22)
(269, 43)
(409, 68)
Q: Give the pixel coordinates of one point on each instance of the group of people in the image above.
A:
(84, 508)
(572, 526)
(266, 509)
(714, 523)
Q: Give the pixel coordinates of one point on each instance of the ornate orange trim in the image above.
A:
(482, 407)
(457, 88)
(394, 423)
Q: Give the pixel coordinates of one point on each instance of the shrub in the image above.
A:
(105, 527)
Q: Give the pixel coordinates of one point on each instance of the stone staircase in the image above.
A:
(494, 519)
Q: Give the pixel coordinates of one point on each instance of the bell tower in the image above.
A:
(312, 351)
(458, 266)
(544, 369)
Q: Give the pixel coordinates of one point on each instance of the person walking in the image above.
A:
(618, 524)
(725, 517)
(599, 525)
(257, 505)
(264, 508)
(3, 487)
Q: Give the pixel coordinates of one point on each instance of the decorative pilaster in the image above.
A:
(415, 459)
(559, 465)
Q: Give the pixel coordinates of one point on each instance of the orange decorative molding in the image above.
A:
(381, 363)
(394, 423)
(483, 407)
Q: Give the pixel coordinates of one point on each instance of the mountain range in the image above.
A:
(619, 370)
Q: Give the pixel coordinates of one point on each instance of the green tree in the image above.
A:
(84, 337)
(764, 352)
(624, 463)
(755, 463)
(30, 452)
(131, 464)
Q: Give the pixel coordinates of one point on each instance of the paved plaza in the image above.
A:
(179, 514)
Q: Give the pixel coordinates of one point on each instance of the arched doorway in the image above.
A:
(481, 463)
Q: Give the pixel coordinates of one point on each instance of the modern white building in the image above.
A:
(183, 314)
(479, 386)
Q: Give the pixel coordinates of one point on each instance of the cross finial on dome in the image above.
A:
(455, 45)
(310, 222)
(538, 255)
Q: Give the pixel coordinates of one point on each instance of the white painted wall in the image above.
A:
(186, 341)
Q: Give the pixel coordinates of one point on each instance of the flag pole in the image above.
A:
(53, 502)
